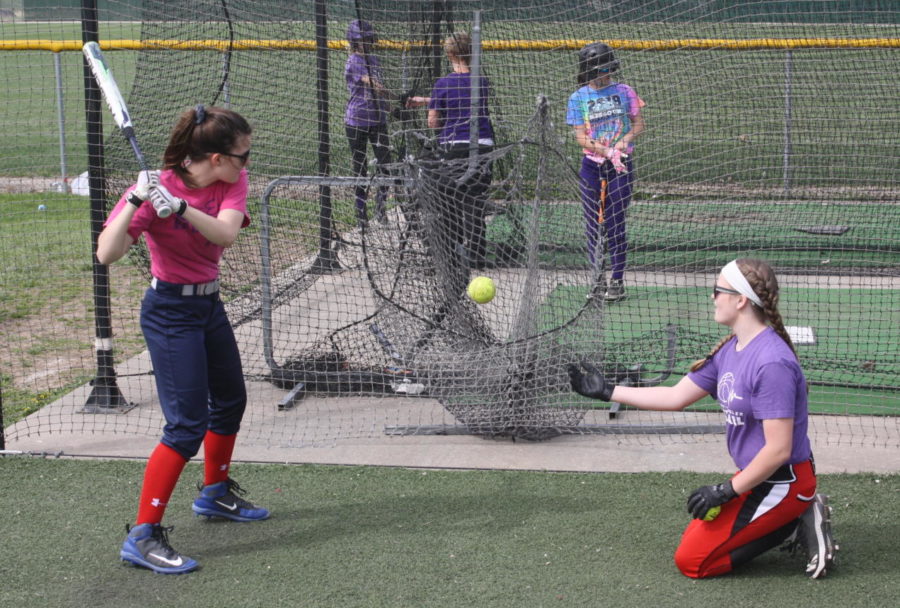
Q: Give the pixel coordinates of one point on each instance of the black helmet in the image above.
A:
(595, 59)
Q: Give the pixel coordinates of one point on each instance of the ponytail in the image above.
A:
(201, 131)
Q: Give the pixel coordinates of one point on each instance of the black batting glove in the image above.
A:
(705, 498)
(591, 384)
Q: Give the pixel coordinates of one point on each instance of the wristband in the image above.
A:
(134, 199)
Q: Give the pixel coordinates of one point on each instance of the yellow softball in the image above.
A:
(712, 513)
(481, 289)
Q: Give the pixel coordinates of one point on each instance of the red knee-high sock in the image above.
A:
(162, 473)
(217, 450)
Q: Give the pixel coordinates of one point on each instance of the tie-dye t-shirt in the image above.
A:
(609, 111)
(759, 382)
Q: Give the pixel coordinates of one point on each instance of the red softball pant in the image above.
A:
(748, 525)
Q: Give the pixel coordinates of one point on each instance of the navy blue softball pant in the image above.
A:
(197, 365)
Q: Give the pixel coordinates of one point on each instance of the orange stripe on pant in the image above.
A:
(748, 525)
(601, 209)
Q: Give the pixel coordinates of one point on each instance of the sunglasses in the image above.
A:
(717, 290)
(242, 157)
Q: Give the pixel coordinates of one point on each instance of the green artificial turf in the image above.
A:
(371, 537)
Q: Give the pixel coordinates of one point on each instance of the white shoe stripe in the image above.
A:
(172, 562)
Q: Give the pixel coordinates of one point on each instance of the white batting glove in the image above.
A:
(165, 202)
(141, 192)
(617, 159)
(146, 179)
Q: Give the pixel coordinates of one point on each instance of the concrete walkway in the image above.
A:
(878, 452)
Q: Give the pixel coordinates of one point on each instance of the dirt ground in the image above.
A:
(18, 185)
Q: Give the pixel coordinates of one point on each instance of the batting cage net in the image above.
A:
(766, 130)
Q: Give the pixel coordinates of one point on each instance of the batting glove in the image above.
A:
(591, 384)
(617, 158)
(705, 498)
(165, 202)
(141, 192)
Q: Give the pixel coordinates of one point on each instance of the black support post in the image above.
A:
(105, 396)
(326, 262)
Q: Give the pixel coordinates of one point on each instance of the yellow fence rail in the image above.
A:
(729, 44)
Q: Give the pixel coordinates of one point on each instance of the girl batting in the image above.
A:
(198, 204)
(607, 118)
(756, 377)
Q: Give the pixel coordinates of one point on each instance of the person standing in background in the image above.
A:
(366, 114)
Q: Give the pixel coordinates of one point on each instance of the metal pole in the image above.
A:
(788, 83)
(474, 94)
(266, 277)
(2, 435)
(226, 66)
(326, 261)
(61, 116)
(105, 395)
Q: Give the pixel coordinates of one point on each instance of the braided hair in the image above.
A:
(762, 279)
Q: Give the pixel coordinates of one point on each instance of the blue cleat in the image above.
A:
(222, 500)
(147, 545)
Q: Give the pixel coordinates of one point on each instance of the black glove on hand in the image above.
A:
(705, 498)
(591, 384)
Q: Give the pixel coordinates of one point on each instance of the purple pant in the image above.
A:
(618, 197)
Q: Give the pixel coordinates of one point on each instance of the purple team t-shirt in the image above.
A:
(451, 96)
(760, 382)
(364, 108)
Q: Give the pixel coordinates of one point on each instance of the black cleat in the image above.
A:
(615, 291)
(814, 535)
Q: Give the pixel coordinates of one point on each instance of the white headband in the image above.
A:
(733, 275)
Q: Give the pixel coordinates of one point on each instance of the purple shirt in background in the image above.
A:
(760, 382)
(364, 108)
(451, 96)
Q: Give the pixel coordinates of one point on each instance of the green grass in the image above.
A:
(697, 233)
(375, 537)
(19, 402)
(858, 354)
(45, 256)
(46, 300)
(735, 130)
(28, 103)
